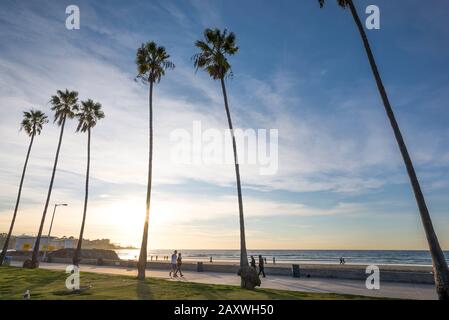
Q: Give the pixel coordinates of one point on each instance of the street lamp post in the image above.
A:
(51, 225)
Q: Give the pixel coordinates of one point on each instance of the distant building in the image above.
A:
(97, 244)
(26, 243)
(12, 241)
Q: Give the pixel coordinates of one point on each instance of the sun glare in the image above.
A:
(125, 218)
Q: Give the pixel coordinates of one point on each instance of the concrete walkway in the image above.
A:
(387, 289)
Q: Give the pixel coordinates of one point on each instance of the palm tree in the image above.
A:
(32, 124)
(212, 58)
(152, 62)
(90, 114)
(440, 268)
(65, 105)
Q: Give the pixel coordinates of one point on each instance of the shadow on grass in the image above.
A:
(82, 291)
(71, 293)
(143, 290)
(46, 284)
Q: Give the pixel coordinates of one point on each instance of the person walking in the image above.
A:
(178, 265)
(253, 263)
(173, 264)
(261, 266)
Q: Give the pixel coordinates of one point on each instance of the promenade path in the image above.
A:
(387, 289)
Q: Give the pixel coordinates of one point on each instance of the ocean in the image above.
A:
(380, 257)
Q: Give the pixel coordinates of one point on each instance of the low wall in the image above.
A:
(422, 275)
(358, 273)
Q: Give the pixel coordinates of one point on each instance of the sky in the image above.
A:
(340, 182)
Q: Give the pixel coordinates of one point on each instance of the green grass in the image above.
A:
(50, 285)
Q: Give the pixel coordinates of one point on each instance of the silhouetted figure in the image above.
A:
(210, 259)
(178, 265)
(156, 258)
(274, 260)
(253, 263)
(173, 264)
(151, 258)
(265, 260)
(261, 266)
(342, 260)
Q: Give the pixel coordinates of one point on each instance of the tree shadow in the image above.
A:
(143, 290)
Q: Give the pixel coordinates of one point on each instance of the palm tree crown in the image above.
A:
(33, 121)
(152, 61)
(341, 3)
(214, 49)
(64, 104)
(90, 113)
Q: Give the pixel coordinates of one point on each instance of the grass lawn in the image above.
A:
(50, 285)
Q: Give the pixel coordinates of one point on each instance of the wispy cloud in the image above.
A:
(336, 143)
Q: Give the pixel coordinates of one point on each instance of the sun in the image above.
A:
(123, 220)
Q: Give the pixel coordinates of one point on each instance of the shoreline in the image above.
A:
(420, 258)
(151, 258)
(300, 262)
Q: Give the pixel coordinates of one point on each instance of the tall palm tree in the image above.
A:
(212, 58)
(32, 124)
(440, 268)
(88, 117)
(152, 62)
(65, 105)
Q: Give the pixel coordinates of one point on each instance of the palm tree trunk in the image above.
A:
(8, 237)
(141, 266)
(440, 268)
(77, 254)
(243, 253)
(35, 256)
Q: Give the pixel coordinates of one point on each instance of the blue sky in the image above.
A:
(341, 182)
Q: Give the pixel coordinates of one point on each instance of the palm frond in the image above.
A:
(152, 62)
(64, 104)
(341, 3)
(90, 113)
(33, 122)
(214, 49)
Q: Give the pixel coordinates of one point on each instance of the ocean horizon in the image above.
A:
(381, 257)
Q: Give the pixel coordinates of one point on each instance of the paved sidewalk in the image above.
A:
(387, 289)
